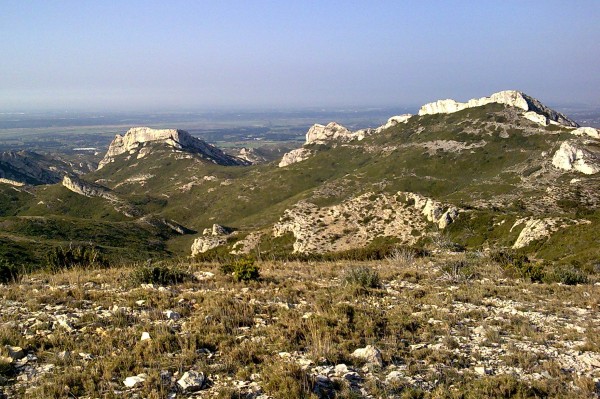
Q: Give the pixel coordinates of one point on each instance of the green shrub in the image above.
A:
(8, 272)
(159, 274)
(565, 275)
(84, 256)
(518, 265)
(242, 269)
(362, 276)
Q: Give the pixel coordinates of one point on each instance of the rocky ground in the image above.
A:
(442, 326)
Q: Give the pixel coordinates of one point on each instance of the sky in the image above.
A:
(193, 55)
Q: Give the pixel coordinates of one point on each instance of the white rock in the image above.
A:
(587, 131)
(370, 354)
(145, 336)
(321, 134)
(191, 381)
(535, 117)
(511, 98)
(535, 229)
(294, 156)
(573, 156)
(131, 382)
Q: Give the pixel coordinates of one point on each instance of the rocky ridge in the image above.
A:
(27, 167)
(137, 139)
(511, 98)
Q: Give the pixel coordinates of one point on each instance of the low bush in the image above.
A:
(362, 276)
(159, 274)
(242, 269)
(566, 275)
(66, 258)
(9, 272)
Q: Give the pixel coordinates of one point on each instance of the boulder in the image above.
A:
(133, 381)
(191, 381)
(370, 354)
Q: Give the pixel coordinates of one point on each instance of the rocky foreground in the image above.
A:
(446, 326)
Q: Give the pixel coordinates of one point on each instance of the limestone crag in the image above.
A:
(88, 189)
(136, 139)
(297, 155)
(587, 131)
(322, 134)
(210, 238)
(334, 132)
(434, 211)
(511, 98)
(577, 155)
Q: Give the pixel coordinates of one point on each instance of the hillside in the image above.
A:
(502, 171)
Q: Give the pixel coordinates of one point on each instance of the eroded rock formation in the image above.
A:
(511, 98)
(135, 140)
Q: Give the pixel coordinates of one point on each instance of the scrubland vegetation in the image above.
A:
(445, 325)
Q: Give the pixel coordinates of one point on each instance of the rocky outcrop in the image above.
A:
(322, 134)
(393, 121)
(575, 155)
(333, 131)
(297, 155)
(250, 156)
(434, 211)
(535, 229)
(136, 139)
(587, 131)
(511, 98)
(11, 182)
(210, 238)
(88, 189)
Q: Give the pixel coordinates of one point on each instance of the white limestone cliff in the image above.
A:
(333, 131)
(297, 155)
(511, 98)
(321, 134)
(587, 131)
(136, 138)
(572, 155)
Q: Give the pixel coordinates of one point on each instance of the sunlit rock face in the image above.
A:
(511, 98)
(136, 138)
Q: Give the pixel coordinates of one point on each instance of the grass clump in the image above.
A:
(160, 274)
(242, 269)
(287, 380)
(9, 272)
(61, 258)
(362, 276)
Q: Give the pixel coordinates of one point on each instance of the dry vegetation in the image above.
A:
(446, 326)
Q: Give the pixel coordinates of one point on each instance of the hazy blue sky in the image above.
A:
(169, 55)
